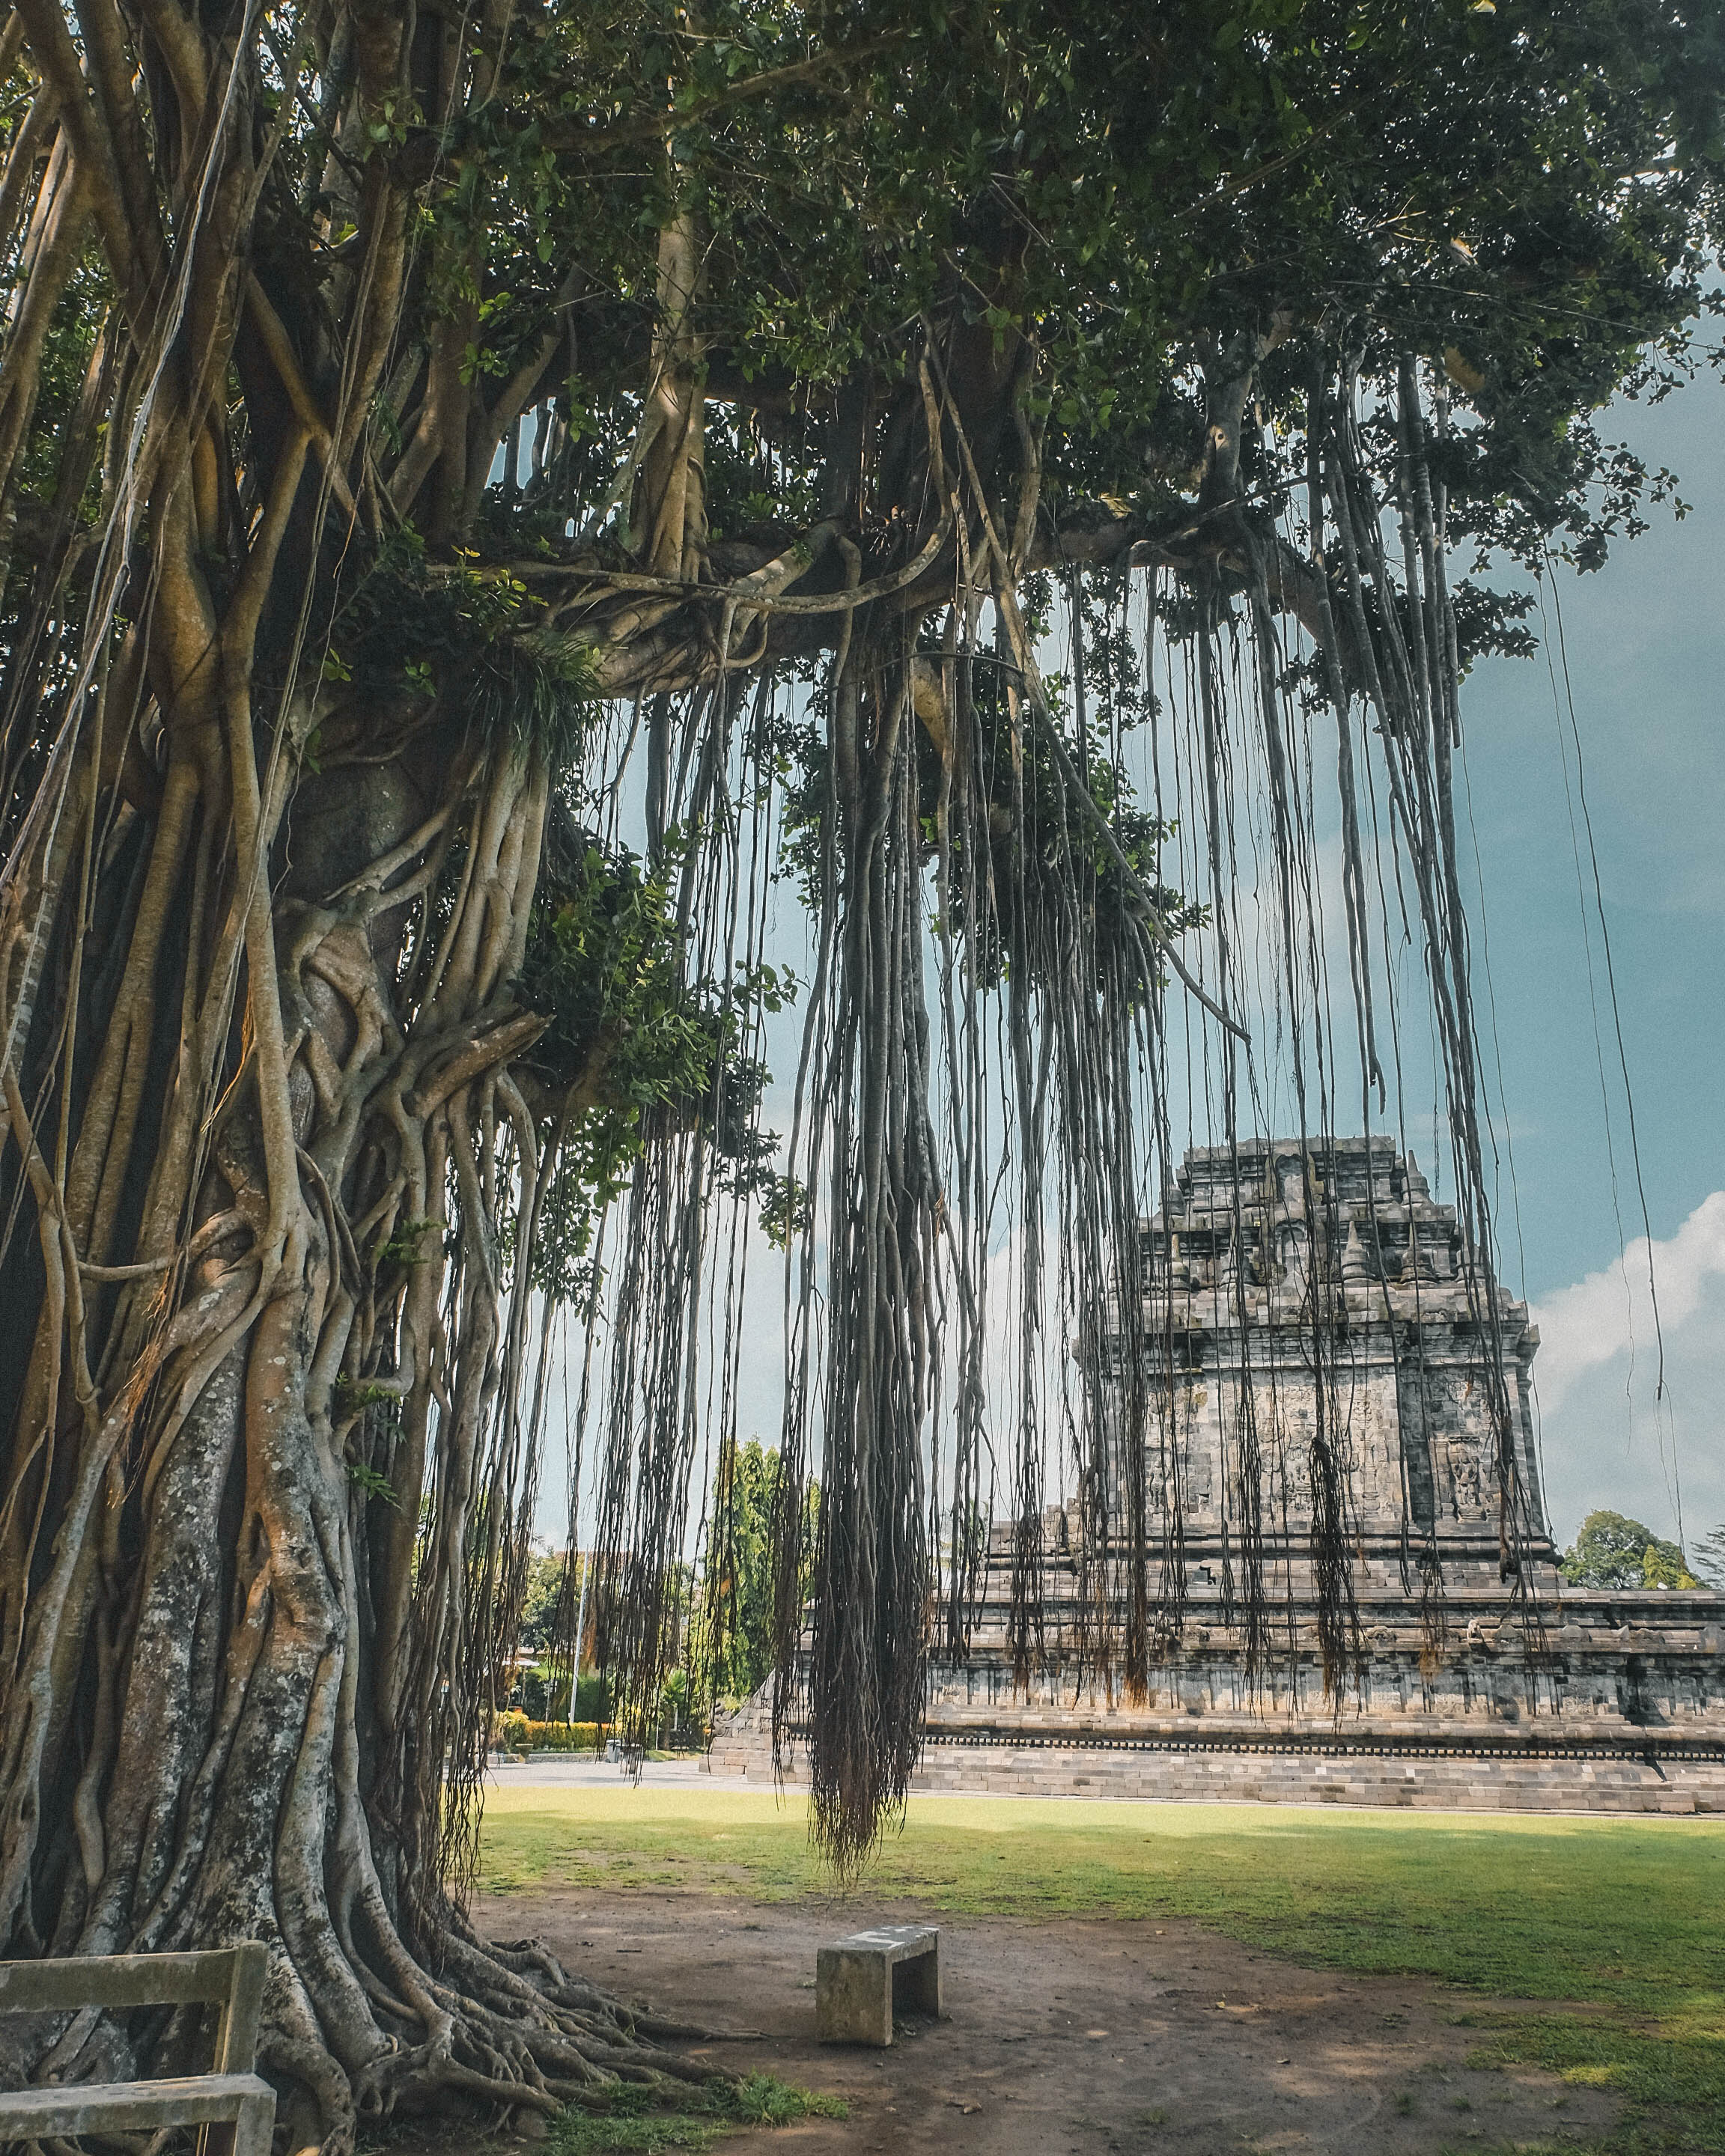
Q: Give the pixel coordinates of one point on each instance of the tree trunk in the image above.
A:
(239, 1675)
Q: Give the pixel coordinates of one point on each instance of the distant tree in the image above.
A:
(1614, 1551)
(732, 1643)
(592, 1698)
(675, 1703)
(1708, 1557)
(551, 1606)
(739, 1581)
(544, 1593)
(1663, 1564)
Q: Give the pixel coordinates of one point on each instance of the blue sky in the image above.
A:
(1645, 644)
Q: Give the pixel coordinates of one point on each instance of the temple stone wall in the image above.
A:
(1619, 1705)
(1597, 1666)
(1594, 1778)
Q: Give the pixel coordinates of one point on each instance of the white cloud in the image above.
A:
(1609, 1440)
(1610, 1313)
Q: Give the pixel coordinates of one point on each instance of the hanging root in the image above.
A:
(334, 1015)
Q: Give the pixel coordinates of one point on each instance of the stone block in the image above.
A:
(859, 1981)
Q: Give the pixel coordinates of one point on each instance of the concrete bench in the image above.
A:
(859, 1981)
(233, 2102)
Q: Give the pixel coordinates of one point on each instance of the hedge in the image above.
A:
(514, 1732)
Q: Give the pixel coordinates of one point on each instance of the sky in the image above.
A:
(1645, 641)
(1595, 777)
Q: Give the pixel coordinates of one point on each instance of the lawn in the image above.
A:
(1622, 1918)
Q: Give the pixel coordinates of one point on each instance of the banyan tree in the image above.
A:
(500, 503)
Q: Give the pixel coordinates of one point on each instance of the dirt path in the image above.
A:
(1071, 2034)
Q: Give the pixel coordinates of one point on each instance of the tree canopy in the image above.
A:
(491, 500)
(1613, 1551)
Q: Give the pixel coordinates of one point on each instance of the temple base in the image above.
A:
(1576, 1700)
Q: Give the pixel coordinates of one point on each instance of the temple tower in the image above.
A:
(1304, 1299)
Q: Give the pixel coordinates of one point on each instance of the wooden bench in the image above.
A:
(234, 2101)
(859, 1981)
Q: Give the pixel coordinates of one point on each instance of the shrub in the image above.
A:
(514, 1732)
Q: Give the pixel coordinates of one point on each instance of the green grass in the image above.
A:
(1622, 1918)
(627, 2122)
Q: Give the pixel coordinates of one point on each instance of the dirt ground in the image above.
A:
(1070, 2035)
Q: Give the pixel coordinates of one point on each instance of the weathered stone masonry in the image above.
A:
(1471, 1691)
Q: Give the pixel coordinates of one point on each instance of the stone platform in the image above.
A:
(1577, 1775)
(1610, 1702)
(1559, 1770)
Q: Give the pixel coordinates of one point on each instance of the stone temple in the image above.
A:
(1296, 1297)
(1295, 1292)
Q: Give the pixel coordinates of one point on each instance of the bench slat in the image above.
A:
(237, 2044)
(897, 1941)
(165, 1979)
(91, 2106)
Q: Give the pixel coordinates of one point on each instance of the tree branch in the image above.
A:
(277, 344)
(56, 58)
(592, 141)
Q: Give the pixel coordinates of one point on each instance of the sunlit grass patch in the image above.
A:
(1622, 1910)
(626, 2121)
(1620, 1916)
(1671, 2070)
